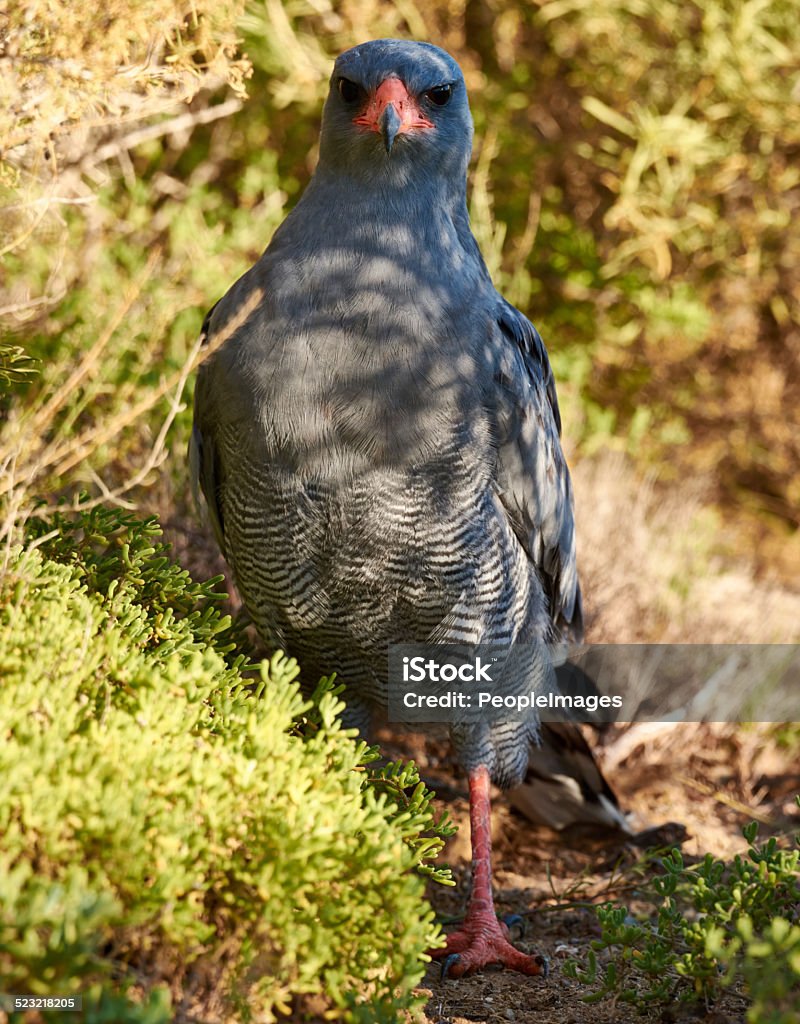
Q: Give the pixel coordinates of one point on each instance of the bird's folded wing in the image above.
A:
(204, 465)
(533, 478)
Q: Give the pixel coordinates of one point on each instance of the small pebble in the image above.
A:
(509, 1014)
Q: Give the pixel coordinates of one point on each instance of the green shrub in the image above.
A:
(165, 818)
(688, 148)
(712, 925)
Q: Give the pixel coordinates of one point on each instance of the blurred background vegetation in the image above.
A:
(635, 190)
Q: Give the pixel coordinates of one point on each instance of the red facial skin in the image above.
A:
(393, 91)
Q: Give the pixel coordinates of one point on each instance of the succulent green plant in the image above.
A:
(712, 925)
(163, 804)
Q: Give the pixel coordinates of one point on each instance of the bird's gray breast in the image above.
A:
(360, 353)
(337, 561)
(358, 460)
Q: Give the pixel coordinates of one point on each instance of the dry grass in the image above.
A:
(30, 458)
(116, 63)
(657, 568)
(80, 93)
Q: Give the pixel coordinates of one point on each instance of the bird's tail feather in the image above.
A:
(564, 784)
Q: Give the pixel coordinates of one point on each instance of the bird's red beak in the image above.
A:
(391, 111)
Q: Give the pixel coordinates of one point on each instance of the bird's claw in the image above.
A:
(513, 921)
(447, 963)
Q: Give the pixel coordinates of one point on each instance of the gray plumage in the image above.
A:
(379, 444)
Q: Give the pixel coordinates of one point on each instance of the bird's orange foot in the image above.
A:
(481, 941)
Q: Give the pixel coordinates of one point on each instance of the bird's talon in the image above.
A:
(447, 963)
(513, 921)
(544, 963)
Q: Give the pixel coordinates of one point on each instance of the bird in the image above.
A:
(377, 434)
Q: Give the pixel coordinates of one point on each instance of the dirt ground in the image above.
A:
(710, 779)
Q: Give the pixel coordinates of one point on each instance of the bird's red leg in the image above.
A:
(483, 939)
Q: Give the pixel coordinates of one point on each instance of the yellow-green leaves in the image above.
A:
(157, 807)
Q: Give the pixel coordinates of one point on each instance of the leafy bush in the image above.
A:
(713, 924)
(688, 145)
(166, 819)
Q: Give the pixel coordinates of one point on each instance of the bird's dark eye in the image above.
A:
(440, 94)
(349, 91)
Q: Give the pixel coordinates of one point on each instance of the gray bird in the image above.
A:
(378, 441)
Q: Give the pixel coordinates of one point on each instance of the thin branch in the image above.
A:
(37, 220)
(87, 363)
(183, 122)
(724, 798)
(91, 440)
(16, 482)
(51, 201)
(50, 299)
(158, 452)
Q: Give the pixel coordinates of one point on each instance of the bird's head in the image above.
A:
(394, 104)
